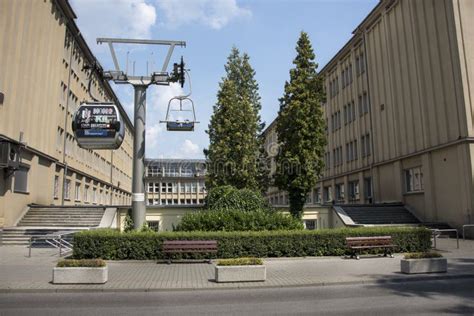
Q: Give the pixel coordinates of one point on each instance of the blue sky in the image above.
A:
(266, 30)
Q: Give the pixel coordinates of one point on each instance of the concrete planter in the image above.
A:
(80, 275)
(240, 273)
(427, 265)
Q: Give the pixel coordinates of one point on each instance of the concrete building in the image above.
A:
(175, 181)
(399, 113)
(42, 82)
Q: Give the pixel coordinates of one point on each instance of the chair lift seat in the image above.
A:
(180, 126)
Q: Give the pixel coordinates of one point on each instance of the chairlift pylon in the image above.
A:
(181, 104)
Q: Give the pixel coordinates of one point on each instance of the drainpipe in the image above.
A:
(366, 64)
(66, 117)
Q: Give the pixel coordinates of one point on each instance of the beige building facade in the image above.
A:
(175, 181)
(399, 113)
(43, 81)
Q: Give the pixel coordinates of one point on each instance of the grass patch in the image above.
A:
(240, 262)
(82, 263)
(423, 255)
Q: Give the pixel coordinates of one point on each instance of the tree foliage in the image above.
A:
(229, 198)
(235, 155)
(301, 129)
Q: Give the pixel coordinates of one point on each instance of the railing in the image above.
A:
(438, 232)
(55, 240)
(463, 230)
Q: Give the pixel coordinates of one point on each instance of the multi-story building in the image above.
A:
(399, 112)
(175, 181)
(43, 81)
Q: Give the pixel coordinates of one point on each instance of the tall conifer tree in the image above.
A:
(235, 150)
(301, 129)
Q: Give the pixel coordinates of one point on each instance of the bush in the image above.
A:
(83, 263)
(423, 255)
(229, 198)
(113, 245)
(236, 220)
(240, 262)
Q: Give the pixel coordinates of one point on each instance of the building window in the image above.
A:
(365, 145)
(150, 201)
(94, 196)
(21, 179)
(163, 187)
(67, 189)
(354, 191)
(340, 192)
(153, 225)
(182, 201)
(170, 187)
(201, 201)
(77, 192)
(317, 195)
(368, 188)
(86, 194)
(150, 187)
(414, 180)
(327, 194)
(310, 224)
(56, 187)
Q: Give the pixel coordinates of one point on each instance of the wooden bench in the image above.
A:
(358, 244)
(189, 246)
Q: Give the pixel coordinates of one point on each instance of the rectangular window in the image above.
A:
(21, 180)
(368, 188)
(181, 187)
(86, 194)
(317, 196)
(170, 187)
(310, 224)
(77, 192)
(362, 63)
(340, 192)
(94, 196)
(67, 189)
(353, 190)
(182, 201)
(56, 187)
(365, 100)
(357, 65)
(150, 187)
(153, 225)
(414, 180)
(163, 187)
(327, 194)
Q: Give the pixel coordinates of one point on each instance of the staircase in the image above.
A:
(380, 214)
(62, 217)
(49, 220)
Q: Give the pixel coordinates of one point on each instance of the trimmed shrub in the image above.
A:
(240, 262)
(236, 220)
(113, 245)
(423, 255)
(83, 263)
(229, 198)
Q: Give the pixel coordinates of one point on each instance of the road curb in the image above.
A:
(241, 287)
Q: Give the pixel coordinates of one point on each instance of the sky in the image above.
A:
(267, 30)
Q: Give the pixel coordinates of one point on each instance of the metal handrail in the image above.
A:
(463, 228)
(437, 232)
(55, 240)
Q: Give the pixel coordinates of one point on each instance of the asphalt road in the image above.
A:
(421, 298)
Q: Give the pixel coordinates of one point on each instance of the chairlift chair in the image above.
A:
(181, 104)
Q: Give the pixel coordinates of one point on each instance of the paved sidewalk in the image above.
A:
(20, 273)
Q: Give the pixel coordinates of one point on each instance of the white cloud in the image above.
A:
(114, 18)
(152, 134)
(188, 149)
(213, 13)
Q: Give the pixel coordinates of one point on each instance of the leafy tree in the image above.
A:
(235, 156)
(301, 129)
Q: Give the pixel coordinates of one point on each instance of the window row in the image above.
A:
(175, 187)
(349, 112)
(346, 76)
(340, 190)
(175, 201)
(351, 150)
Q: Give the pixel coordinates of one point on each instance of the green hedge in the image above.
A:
(113, 245)
(236, 220)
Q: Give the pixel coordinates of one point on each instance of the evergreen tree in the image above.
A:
(234, 154)
(301, 129)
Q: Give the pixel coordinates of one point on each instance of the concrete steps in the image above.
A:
(64, 217)
(41, 221)
(381, 214)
